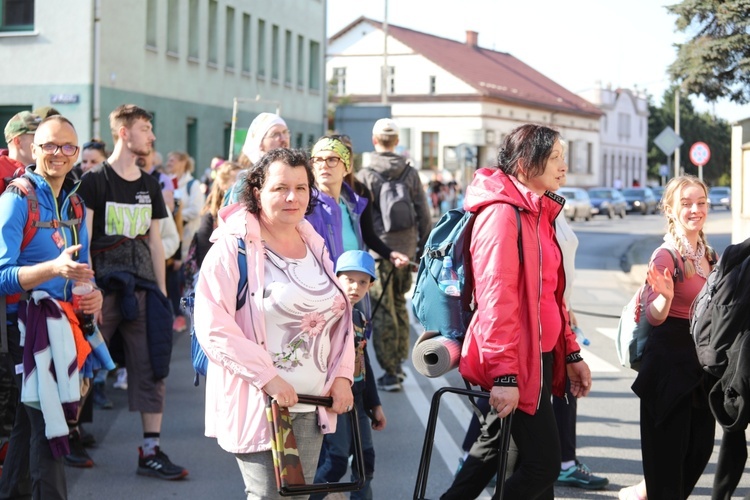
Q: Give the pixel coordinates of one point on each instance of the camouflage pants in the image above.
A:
(390, 325)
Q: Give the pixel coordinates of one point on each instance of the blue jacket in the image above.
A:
(326, 219)
(14, 210)
(159, 315)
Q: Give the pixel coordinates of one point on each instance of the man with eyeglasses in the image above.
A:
(123, 207)
(46, 268)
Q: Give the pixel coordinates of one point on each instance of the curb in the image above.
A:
(634, 262)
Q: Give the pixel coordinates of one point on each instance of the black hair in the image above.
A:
(256, 177)
(527, 147)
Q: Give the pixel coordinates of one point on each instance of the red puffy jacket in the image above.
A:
(8, 166)
(505, 336)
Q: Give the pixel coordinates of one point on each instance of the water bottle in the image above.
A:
(448, 279)
(580, 336)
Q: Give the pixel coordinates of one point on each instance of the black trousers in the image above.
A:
(538, 448)
(29, 470)
(676, 451)
(566, 413)
(730, 465)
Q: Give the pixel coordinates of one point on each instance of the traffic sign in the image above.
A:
(668, 140)
(700, 154)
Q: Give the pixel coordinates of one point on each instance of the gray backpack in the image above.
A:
(393, 202)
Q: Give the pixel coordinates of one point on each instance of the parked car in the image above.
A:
(640, 199)
(607, 201)
(658, 193)
(720, 196)
(577, 203)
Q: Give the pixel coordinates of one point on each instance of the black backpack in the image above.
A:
(721, 310)
(393, 201)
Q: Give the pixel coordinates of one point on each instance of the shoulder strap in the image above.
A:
(468, 298)
(26, 188)
(677, 271)
(242, 264)
(189, 185)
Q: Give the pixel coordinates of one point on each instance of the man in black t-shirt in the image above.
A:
(123, 208)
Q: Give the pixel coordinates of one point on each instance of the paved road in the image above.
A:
(607, 424)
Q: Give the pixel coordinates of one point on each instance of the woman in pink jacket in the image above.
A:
(519, 346)
(294, 334)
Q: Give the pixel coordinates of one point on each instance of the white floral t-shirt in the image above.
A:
(301, 306)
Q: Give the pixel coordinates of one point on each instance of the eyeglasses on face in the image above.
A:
(51, 148)
(94, 145)
(278, 135)
(331, 161)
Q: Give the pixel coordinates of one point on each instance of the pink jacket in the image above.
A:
(234, 341)
(504, 337)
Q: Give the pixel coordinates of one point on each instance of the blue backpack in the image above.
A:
(198, 357)
(435, 310)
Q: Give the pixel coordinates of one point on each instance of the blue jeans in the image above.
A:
(337, 447)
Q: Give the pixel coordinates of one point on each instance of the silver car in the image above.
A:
(577, 203)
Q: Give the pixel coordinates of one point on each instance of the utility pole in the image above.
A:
(677, 131)
(384, 72)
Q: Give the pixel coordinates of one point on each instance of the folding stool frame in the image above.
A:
(429, 440)
(358, 463)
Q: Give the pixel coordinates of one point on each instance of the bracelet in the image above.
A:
(506, 381)
(573, 357)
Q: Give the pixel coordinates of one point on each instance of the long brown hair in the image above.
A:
(215, 197)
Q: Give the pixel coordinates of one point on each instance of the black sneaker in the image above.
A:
(78, 456)
(87, 439)
(159, 465)
(389, 383)
(579, 475)
(400, 374)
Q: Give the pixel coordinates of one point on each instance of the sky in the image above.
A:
(576, 43)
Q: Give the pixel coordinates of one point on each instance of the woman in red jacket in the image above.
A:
(522, 325)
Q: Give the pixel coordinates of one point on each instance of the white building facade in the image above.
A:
(183, 60)
(455, 102)
(624, 135)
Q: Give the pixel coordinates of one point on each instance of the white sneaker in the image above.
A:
(122, 379)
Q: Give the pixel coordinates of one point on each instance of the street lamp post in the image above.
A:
(235, 103)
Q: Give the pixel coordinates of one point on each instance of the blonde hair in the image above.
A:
(185, 158)
(670, 200)
(215, 197)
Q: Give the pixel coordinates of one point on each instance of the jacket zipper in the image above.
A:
(539, 310)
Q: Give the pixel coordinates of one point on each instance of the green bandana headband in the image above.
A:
(336, 146)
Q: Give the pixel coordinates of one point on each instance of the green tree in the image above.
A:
(694, 127)
(715, 62)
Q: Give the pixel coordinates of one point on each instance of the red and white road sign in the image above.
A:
(700, 154)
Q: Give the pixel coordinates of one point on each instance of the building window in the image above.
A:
(173, 27)
(314, 75)
(623, 125)
(151, 23)
(261, 48)
(229, 41)
(300, 138)
(432, 84)
(17, 15)
(193, 31)
(275, 59)
(300, 61)
(339, 81)
(213, 32)
(246, 37)
(191, 129)
(430, 150)
(391, 80)
(288, 58)
(589, 158)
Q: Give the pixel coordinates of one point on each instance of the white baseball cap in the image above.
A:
(385, 126)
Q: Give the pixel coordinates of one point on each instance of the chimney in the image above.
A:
(472, 38)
